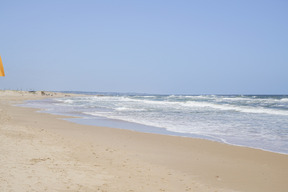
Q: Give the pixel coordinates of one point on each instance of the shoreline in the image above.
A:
(109, 159)
(152, 130)
(85, 119)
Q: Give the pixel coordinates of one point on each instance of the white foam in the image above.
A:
(244, 109)
(69, 101)
(284, 100)
(128, 109)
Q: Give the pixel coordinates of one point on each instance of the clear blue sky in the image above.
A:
(151, 46)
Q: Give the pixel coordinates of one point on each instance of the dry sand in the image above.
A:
(42, 152)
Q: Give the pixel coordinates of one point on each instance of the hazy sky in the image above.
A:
(149, 46)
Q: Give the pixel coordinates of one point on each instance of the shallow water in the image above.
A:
(247, 120)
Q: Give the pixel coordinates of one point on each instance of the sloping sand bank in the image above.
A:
(42, 152)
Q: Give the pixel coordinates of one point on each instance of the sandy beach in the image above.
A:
(43, 152)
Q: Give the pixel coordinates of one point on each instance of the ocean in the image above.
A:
(256, 121)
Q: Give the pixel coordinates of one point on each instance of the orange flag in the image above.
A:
(1, 68)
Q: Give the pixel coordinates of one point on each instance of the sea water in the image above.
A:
(256, 121)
